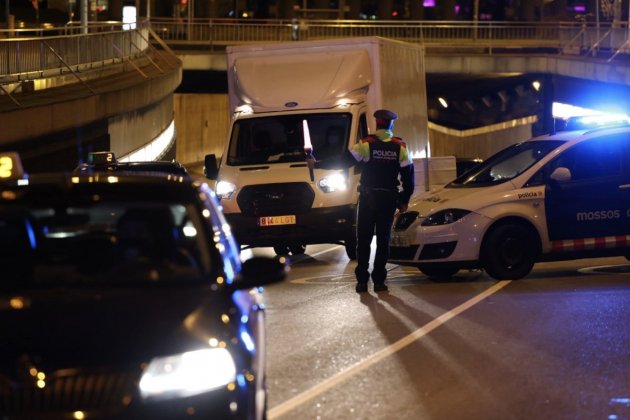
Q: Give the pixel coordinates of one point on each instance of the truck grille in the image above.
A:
(276, 199)
(69, 391)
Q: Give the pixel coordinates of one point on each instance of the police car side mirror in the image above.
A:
(560, 174)
(211, 167)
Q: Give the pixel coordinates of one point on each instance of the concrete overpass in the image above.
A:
(126, 103)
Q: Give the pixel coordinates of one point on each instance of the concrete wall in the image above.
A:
(131, 130)
(122, 112)
(203, 120)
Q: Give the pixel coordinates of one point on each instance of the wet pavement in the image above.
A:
(554, 345)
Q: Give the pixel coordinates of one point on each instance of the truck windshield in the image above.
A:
(280, 138)
(506, 164)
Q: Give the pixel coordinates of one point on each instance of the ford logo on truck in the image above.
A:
(274, 196)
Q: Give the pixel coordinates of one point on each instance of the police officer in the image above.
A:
(386, 160)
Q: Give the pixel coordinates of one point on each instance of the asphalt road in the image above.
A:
(555, 345)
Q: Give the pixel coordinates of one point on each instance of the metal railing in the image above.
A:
(33, 57)
(67, 50)
(575, 38)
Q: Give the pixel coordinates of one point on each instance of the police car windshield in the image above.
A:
(280, 138)
(99, 235)
(506, 164)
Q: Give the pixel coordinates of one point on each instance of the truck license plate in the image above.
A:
(276, 220)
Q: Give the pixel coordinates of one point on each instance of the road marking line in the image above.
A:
(340, 377)
(324, 251)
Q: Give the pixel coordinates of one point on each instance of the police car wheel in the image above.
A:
(297, 249)
(509, 251)
(439, 272)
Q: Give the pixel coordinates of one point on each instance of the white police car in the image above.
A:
(554, 197)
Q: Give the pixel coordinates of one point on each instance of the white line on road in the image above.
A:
(333, 381)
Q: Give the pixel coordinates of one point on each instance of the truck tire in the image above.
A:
(441, 272)
(509, 251)
(297, 249)
(293, 249)
(281, 249)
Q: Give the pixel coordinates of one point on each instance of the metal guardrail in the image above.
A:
(575, 38)
(28, 55)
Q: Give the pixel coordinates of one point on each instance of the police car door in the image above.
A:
(594, 202)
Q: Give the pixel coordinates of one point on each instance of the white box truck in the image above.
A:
(322, 93)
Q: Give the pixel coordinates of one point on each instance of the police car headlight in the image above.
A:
(404, 220)
(333, 183)
(444, 217)
(225, 189)
(187, 374)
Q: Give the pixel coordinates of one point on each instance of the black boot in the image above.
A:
(361, 287)
(380, 287)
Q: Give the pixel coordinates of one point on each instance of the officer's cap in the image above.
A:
(385, 114)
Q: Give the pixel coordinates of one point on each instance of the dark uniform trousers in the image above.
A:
(375, 214)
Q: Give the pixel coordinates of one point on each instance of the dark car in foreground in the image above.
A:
(123, 296)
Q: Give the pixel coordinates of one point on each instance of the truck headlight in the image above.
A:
(225, 189)
(187, 374)
(444, 217)
(333, 183)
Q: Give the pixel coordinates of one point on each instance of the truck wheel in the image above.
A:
(442, 272)
(297, 249)
(509, 251)
(351, 248)
(281, 249)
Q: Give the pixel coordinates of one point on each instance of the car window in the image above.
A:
(506, 164)
(589, 160)
(76, 238)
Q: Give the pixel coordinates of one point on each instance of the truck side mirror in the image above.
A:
(211, 167)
